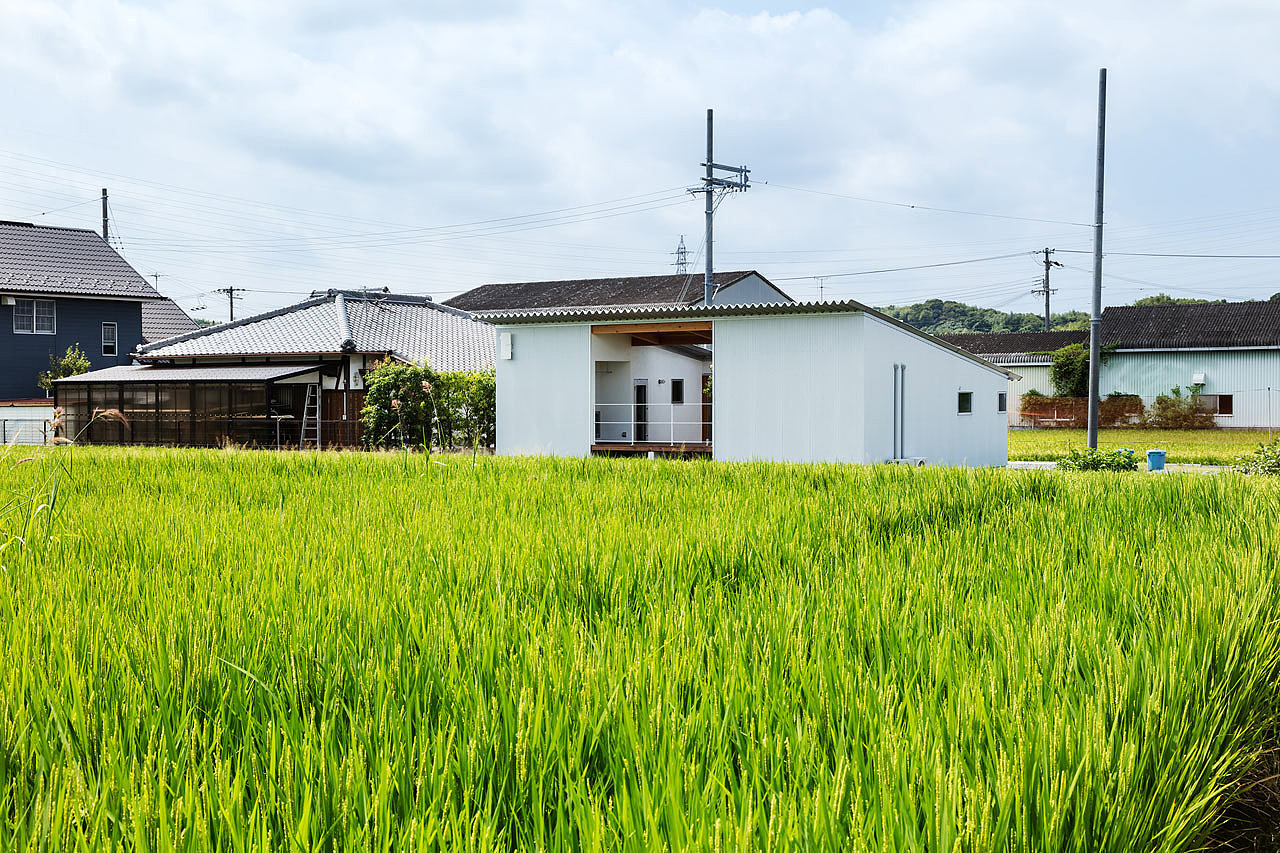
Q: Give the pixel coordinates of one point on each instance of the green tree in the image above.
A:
(71, 363)
(1275, 297)
(410, 405)
(1070, 371)
(1166, 299)
(944, 317)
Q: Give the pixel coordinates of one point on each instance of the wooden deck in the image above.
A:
(622, 448)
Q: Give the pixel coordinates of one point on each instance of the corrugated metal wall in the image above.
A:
(1244, 374)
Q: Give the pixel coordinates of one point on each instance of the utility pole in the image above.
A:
(682, 258)
(1095, 318)
(231, 299)
(709, 185)
(106, 234)
(1045, 289)
(156, 276)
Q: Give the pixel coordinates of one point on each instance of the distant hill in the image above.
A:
(943, 317)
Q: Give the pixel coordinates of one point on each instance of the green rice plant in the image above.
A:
(252, 651)
(1194, 446)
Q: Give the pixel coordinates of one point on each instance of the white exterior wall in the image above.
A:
(788, 388)
(667, 421)
(933, 428)
(545, 391)
(1244, 374)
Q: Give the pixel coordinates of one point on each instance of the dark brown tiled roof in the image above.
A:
(632, 290)
(1015, 342)
(1212, 325)
(41, 259)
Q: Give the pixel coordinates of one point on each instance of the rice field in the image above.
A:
(1190, 446)
(230, 650)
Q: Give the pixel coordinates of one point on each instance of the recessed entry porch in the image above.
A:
(652, 391)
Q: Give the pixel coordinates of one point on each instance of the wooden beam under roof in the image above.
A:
(640, 328)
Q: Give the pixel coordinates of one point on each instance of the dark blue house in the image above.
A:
(61, 287)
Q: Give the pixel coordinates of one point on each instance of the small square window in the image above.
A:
(964, 403)
(109, 339)
(1002, 402)
(677, 391)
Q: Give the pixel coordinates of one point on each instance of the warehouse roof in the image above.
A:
(219, 373)
(412, 328)
(43, 259)
(1209, 325)
(164, 319)
(1005, 343)
(684, 289)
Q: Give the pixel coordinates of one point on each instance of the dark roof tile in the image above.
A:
(631, 290)
(41, 259)
(1203, 325)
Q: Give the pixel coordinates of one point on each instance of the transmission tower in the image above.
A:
(682, 258)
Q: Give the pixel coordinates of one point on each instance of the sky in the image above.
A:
(430, 147)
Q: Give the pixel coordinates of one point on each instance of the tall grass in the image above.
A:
(256, 651)
(1190, 446)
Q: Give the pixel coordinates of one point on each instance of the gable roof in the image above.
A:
(681, 289)
(42, 259)
(164, 319)
(412, 328)
(1005, 344)
(1209, 325)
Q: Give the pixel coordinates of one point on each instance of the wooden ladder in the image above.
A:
(310, 419)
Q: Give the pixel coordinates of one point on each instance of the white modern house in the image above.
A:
(796, 382)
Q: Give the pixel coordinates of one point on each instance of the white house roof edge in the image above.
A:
(607, 313)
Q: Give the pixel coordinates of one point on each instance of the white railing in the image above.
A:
(651, 423)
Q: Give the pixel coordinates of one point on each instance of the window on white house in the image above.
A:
(964, 403)
(109, 339)
(677, 391)
(1002, 402)
(33, 317)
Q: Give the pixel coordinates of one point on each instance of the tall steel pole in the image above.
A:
(708, 285)
(1095, 318)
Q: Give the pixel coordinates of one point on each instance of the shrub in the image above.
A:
(1087, 459)
(1264, 460)
(1031, 392)
(405, 404)
(71, 363)
(1118, 410)
(1070, 371)
(1176, 411)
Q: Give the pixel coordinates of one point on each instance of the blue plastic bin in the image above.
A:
(1155, 460)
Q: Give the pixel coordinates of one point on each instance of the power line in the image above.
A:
(1175, 255)
(910, 206)
(906, 269)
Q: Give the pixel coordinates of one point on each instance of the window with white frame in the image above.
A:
(109, 339)
(33, 317)
(1002, 402)
(677, 391)
(964, 403)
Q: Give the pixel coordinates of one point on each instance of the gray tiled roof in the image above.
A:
(218, 373)
(683, 289)
(161, 320)
(410, 327)
(993, 343)
(1205, 325)
(40, 259)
